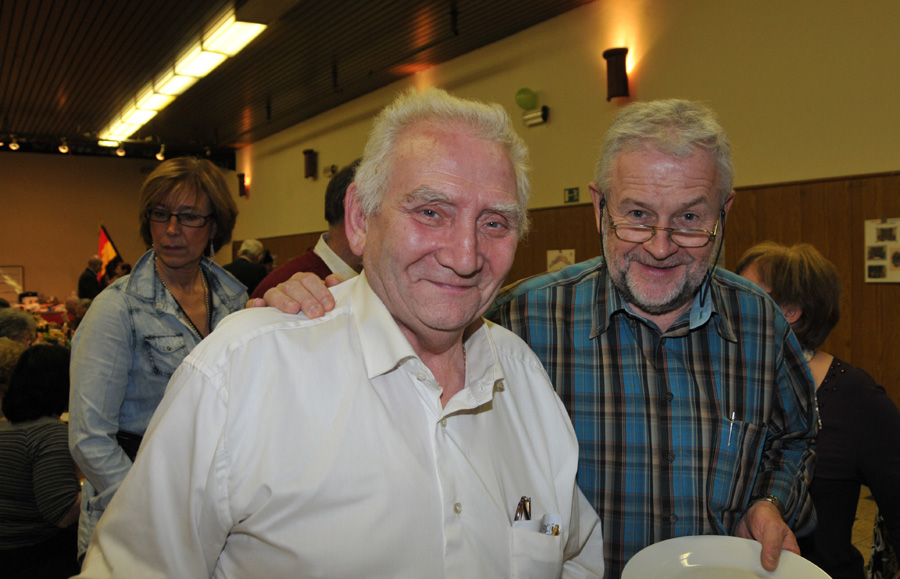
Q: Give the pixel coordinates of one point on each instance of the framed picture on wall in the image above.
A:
(12, 282)
(883, 250)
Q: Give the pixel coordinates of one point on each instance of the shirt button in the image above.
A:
(673, 518)
(671, 457)
(421, 376)
(457, 508)
(670, 396)
(444, 422)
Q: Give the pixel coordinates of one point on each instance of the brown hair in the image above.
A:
(190, 174)
(799, 276)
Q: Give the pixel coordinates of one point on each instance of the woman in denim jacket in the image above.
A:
(140, 328)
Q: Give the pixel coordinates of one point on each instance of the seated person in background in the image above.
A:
(267, 261)
(395, 436)
(332, 253)
(10, 350)
(121, 270)
(859, 442)
(89, 284)
(18, 325)
(4, 303)
(40, 496)
(246, 268)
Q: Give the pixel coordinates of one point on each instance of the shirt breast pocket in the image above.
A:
(734, 465)
(165, 353)
(535, 554)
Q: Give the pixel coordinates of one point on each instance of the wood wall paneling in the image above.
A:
(828, 214)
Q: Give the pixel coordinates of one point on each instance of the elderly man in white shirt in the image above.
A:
(393, 437)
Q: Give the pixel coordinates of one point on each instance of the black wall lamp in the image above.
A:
(616, 76)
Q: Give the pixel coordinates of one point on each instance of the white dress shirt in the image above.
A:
(288, 447)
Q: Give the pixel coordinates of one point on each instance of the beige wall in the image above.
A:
(806, 88)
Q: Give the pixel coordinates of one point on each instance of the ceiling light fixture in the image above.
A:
(161, 156)
(63, 146)
(120, 152)
(13, 144)
(224, 38)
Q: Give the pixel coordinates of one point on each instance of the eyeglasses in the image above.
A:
(689, 238)
(186, 219)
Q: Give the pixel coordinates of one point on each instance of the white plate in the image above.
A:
(713, 557)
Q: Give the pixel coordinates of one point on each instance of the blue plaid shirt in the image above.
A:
(678, 431)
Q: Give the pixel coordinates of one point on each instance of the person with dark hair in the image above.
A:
(89, 284)
(18, 325)
(332, 252)
(267, 261)
(4, 303)
(40, 494)
(859, 442)
(141, 327)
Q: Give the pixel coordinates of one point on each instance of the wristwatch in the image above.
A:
(772, 499)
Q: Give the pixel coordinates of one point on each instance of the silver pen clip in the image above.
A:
(731, 427)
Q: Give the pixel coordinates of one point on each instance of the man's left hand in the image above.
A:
(762, 522)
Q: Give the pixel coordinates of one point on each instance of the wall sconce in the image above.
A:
(616, 76)
(310, 163)
(63, 146)
(161, 156)
(243, 188)
(528, 101)
(13, 144)
(120, 152)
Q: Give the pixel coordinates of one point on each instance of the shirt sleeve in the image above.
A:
(170, 517)
(55, 482)
(788, 459)
(102, 354)
(584, 549)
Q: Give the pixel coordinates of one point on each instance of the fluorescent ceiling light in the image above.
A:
(198, 62)
(172, 84)
(137, 117)
(153, 101)
(225, 38)
(231, 36)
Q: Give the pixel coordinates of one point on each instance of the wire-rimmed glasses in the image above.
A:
(689, 238)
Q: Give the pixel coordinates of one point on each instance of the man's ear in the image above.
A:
(598, 201)
(354, 221)
(728, 201)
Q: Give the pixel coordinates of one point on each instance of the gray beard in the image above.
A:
(685, 295)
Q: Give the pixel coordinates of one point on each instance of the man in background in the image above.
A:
(246, 268)
(332, 252)
(89, 284)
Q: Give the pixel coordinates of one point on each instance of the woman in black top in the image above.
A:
(859, 438)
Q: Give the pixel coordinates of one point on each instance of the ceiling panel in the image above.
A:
(67, 67)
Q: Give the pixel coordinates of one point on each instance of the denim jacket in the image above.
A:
(130, 342)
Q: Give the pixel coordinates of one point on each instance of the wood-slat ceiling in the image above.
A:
(68, 66)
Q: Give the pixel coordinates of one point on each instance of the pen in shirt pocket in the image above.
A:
(731, 427)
